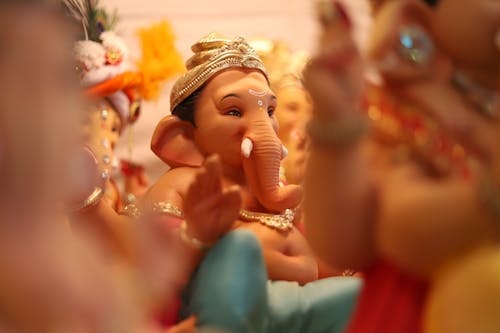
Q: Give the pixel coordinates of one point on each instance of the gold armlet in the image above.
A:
(92, 200)
(191, 241)
(167, 208)
(132, 211)
(340, 133)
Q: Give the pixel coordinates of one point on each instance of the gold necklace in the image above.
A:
(281, 222)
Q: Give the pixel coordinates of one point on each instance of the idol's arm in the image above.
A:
(424, 222)
(339, 205)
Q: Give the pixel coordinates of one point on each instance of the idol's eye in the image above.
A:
(116, 127)
(270, 111)
(234, 113)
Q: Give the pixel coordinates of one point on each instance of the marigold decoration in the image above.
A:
(160, 59)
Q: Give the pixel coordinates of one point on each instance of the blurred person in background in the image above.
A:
(52, 280)
(49, 282)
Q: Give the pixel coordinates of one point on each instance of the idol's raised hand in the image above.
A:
(209, 210)
(335, 75)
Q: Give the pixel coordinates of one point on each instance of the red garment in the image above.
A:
(390, 302)
(171, 315)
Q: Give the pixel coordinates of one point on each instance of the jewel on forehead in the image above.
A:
(260, 102)
(256, 93)
(104, 114)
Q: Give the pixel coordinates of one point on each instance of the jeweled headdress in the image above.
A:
(284, 66)
(214, 54)
(105, 64)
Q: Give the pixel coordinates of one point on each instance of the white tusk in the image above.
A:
(246, 147)
(284, 152)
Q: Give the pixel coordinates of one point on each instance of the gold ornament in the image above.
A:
(337, 133)
(214, 54)
(281, 222)
(167, 208)
(92, 200)
(132, 211)
(161, 207)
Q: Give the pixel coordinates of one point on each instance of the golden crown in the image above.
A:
(213, 54)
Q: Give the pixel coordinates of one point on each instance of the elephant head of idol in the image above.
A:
(224, 105)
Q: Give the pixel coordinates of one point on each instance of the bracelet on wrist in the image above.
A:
(132, 211)
(338, 133)
(91, 201)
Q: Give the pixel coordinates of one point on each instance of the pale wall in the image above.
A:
(289, 20)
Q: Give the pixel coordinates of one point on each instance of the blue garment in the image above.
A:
(230, 291)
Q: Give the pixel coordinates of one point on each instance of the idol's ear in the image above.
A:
(173, 142)
(402, 45)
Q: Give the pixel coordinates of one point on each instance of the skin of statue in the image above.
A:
(443, 212)
(293, 112)
(227, 112)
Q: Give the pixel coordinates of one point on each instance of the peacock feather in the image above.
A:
(93, 18)
(99, 20)
(77, 10)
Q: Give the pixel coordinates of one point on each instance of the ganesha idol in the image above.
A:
(116, 90)
(412, 199)
(294, 108)
(224, 106)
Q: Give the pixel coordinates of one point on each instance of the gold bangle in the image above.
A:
(163, 207)
(191, 241)
(92, 200)
(132, 211)
(339, 133)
